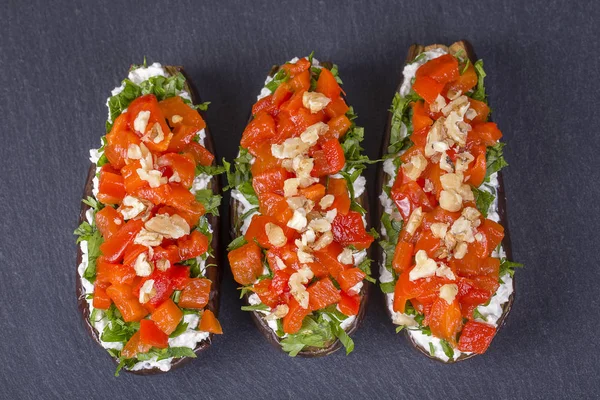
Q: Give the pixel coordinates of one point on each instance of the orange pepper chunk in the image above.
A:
(327, 84)
(349, 278)
(195, 294)
(175, 106)
(151, 335)
(114, 247)
(338, 187)
(126, 302)
(134, 347)
(108, 221)
(167, 316)
(246, 263)
(322, 294)
(210, 323)
(292, 322)
(349, 305)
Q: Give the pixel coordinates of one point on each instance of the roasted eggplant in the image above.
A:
(298, 219)
(444, 266)
(148, 271)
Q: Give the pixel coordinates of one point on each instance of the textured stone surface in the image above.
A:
(59, 62)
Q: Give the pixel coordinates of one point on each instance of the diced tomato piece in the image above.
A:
(270, 181)
(167, 316)
(420, 119)
(108, 221)
(402, 256)
(322, 293)
(428, 88)
(114, 247)
(264, 292)
(246, 263)
(201, 155)
(476, 337)
(336, 107)
(101, 299)
(349, 305)
(127, 304)
(274, 205)
(328, 258)
(481, 109)
(329, 160)
(260, 129)
(170, 253)
(327, 84)
(339, 189)
(181, 165)
(292, 322)
(195, 294)
(313, 192)
(115, 274)
(349, 230)
(134, 347)
(151, 335)
(443, 69)
(465, 82)
(338, 126)
(296, 68)
(192, 246)
(445, 320)
(175, 105)
(210, 323)
(349, 278)
(111, 188)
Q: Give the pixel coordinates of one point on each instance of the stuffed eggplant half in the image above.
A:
(298, 212)
(147, 277)
(445, 265)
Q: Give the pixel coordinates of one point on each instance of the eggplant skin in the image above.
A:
(257, 317)
(213, 272)
(413, 52)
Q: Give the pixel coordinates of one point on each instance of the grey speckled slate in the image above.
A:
(59, 60)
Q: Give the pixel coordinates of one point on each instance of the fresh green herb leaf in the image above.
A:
(431, 349)
(478, 315)
(387, 287)
(256, 307)
(508, 267)
(447, 349)
(466, 66)
(211, 170)
(483, 200)
(202, 106)
(237, 243)
(209, 200)
(494, 159)
(93, 203)
(311, 56)
(163, 87)
(280, 77)
(181, 327)
(119, 102)
(479, 93)
(365, 266)
(312, 334)
(343, 337)
(247, 190)
(401, 116)
(399, 328)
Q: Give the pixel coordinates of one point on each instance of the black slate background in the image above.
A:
(58, 63)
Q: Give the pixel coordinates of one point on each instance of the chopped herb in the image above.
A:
(431, 349)
(182, 327)
(478, 315)
(387, 287)
(280, 77)
(365, 266)
(209, 200)
(401, 116)
(483, 200)
(508, 267)
(211, 170)
(479, 93)
(494, 159)
(202, 106)
(256, 307)
(399, 328)
(237, 243)
(447, 349)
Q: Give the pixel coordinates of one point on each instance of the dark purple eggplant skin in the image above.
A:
(213, 272)
(257, 317)
(413, 52)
